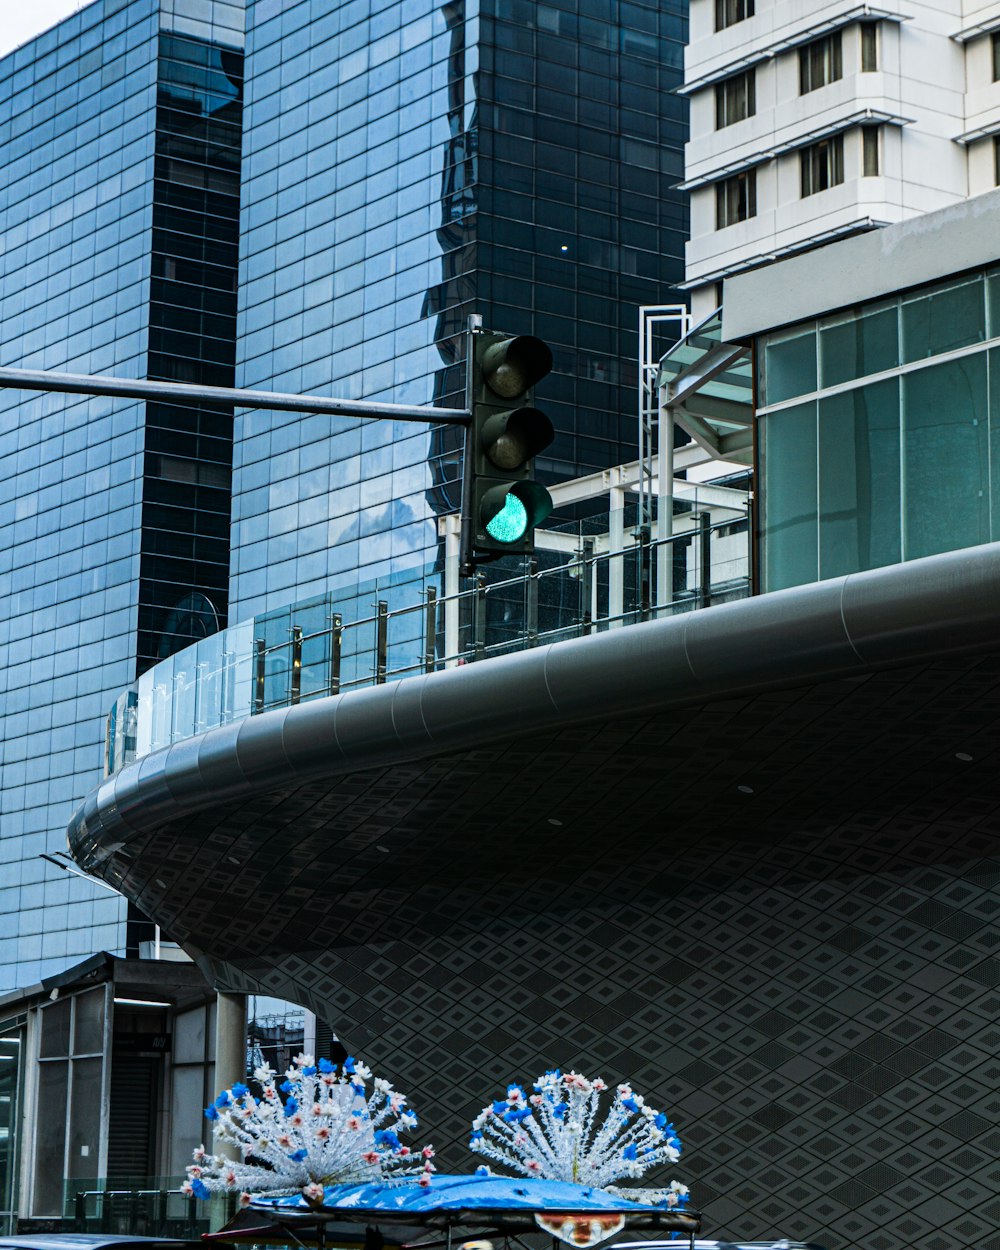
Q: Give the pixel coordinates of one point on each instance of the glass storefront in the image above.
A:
(879, 431)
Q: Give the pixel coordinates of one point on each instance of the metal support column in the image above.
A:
(586, 585)
(295, 692)
(381, 643)
(616, 556)
(230, 1067)
(479, 617)
(260, 662)
(665, 513)
(336, 645)
(642, 571)
(531, 603)
(430, 629)
(704, 520)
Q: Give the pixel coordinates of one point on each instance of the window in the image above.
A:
(820, 62)
(822, 165)
(736, 199)
(995, 45)
(869, 152)
(736, 99)
(729, 12)
(869, 48)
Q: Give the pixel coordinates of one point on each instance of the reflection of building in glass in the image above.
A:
(405, 168)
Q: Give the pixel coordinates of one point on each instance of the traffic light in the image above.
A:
(503, 502)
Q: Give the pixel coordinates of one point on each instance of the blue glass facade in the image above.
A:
(407, 164)
(84, 182)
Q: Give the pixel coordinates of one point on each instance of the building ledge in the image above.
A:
(857, 13)
(860, 117)
(859, 225)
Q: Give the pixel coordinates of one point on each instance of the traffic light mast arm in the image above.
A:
(186, 392)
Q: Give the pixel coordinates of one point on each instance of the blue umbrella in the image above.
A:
(462, 1207)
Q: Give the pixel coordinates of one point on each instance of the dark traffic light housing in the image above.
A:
(502, 501)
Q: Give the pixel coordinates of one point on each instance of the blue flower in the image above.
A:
(476, 1136)
(210, 1112)
(358, 1089)
(386, 1137)
(286, 1087)
(326, 1066)
(559, 1111)
(239, 1090)
(200, 1188)
(630, 1104)
(516, 1114)
(349, 1064)
(223, 1099)
(291, 1106)
(310, 1071)
(482, 1170)
(499, 1108)
(630, 1152)
(299, 1155)
(661, 1121)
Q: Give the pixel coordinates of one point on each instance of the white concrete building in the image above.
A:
(816, 119)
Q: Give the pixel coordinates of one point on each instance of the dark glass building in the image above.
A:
(408, 163)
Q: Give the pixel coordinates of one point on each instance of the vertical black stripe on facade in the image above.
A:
(184, 568)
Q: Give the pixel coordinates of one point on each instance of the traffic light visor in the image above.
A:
(511, 366)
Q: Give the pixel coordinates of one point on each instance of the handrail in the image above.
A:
(411, 627)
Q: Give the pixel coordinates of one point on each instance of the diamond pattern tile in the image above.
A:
(807, 977)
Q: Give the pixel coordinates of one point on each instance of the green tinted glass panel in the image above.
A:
(945, 458)
(993, 304)
(944, 319)
(789, 536)
(789, 367)
(994, 381)
(859, 479)
(859, 347)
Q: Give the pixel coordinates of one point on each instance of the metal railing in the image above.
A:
(585, 577)
(154, 1207)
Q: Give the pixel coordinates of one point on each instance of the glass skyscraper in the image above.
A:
(408, 163)
(119, 179)
(403, 166)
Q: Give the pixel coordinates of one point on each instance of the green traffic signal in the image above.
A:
(507, 510)
(503, 503)
(509, 524)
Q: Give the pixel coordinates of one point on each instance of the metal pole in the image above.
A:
(430, 629)
(616, 556)
(586, 585)
(188, 393)
(665, 510)
(474, 323)
(296, 691)
(479, 617)
(381, 643)
(531, 602)
(642, 537)
(704, 559)
(258, 700)
(336, 641)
